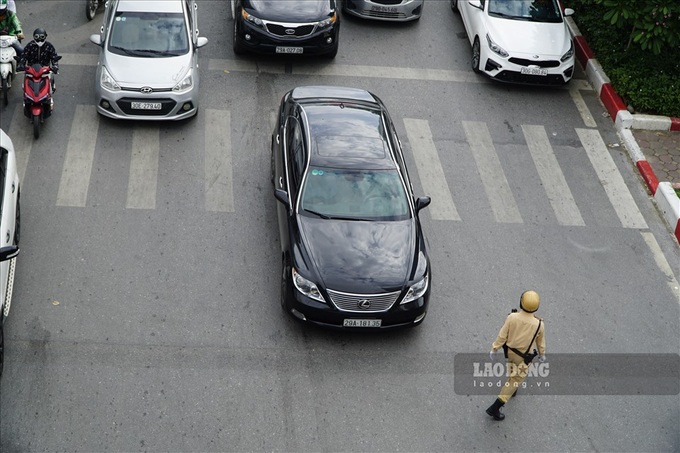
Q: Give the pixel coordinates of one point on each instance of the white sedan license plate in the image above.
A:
(534, 71)
(146, 105)
(362, 323)
(280, 49)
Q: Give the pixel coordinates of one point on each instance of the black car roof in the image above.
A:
(348, 135)
(321, 93)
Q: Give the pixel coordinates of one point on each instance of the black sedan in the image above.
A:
(353, 252)
(309, 27)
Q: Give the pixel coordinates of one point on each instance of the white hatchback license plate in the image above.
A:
(362, 323)
(280, 49)
(534, 71)
(146, 105)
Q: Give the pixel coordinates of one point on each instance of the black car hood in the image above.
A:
(289, 10)
(357, 256)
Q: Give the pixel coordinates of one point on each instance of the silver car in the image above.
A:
(148, 67)
(392, 10)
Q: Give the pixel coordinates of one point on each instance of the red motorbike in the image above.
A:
(38, 102)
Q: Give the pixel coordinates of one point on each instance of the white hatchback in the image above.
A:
(519, 41)
(148, 66)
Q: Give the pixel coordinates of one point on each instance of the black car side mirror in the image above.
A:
(422, 202)
(282, 196)
(8, 252)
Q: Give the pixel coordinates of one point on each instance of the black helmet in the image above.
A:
(39, 35)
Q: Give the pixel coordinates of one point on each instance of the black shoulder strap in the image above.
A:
(532, 340)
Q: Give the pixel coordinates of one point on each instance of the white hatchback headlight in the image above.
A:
(108, 82)
(416, 290)
(495, 47)
(569, 53)
(186, 83)
(306, 287)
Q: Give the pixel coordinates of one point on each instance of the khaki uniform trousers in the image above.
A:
(518, 372)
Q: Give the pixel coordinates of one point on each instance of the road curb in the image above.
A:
(662, 192)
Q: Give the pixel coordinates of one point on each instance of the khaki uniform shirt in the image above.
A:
(518, 330)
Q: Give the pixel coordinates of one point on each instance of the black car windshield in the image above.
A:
(354, 194)
(531, 10)
(152, 35)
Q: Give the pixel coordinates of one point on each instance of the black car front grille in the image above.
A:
(125, 104)
(384, 14)
(280, 30)
(387, 2)
(374, 303)
(539, 63)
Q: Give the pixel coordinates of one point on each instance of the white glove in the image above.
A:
(541, 358)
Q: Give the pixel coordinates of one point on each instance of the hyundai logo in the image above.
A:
(290, 31)
(364, 304)
(146, 90)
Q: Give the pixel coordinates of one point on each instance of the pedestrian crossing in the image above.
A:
(230, 170)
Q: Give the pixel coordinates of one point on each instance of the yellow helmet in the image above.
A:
(529, 301)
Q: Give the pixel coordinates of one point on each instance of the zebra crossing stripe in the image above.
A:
(489, 167)
(582, 108)
(219, 192)
(430, 170)
(75, 176)
(554, 183)
(611, 179)
(143, 167)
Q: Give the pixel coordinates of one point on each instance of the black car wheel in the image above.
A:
(238, 48)
(476, 55)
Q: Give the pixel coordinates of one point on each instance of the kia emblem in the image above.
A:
(290, 31)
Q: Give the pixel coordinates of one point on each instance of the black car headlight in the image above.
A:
(306, 287)
(417, 290)
(328, 22)
(250, 18)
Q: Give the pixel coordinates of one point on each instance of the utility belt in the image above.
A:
(526, 356)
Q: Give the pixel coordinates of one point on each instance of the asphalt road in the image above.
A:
(158, 328)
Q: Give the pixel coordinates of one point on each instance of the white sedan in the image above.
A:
(519, 41)
(9, 227)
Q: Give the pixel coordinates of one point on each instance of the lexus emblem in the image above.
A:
(290, 31)
(364, 304)
(146, 90)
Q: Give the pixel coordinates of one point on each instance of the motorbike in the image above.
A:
(91, 7)
(8, 64)
(38, 102)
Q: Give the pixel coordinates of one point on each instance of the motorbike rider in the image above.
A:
(10, 25)
(42, 52)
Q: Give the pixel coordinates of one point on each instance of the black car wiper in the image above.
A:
(155, 52)
(124, 50)
(323, 216)
(358, 219)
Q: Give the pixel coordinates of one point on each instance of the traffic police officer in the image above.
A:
(521, 330)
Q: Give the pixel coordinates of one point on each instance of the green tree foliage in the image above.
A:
(652, 24)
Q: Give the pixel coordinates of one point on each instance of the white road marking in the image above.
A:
(662, 263)
(22, 139)
(219, 192)
(554, 183)
(582, 107)
(75, 176)
(143, 181)
(430, 170)
(611, 179)
(489, 167)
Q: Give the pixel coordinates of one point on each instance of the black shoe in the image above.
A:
(494, 410)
